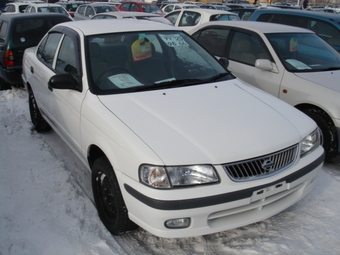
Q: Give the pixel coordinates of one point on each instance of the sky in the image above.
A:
(47, 208)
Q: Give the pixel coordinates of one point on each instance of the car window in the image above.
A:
(246, 48)
(125, 62)
(81, 9)
(326, 31)
(213, 40)
(125, 7)
(66, 60)
(189, 19)
(134, 7)
(304, 52)
(47, 48)
(3, 30)
(219, 17)
(172, 17)
(168, 8)
(89, 11)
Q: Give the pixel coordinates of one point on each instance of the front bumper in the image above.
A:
(223, 211)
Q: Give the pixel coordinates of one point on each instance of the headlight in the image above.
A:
(310, 142)
(177, 176)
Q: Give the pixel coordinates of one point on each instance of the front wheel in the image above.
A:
(328, 130)
(108, 198)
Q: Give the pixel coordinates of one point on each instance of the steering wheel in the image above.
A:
(111, 71)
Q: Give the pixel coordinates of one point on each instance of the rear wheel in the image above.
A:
(108, 198)
(37, 119)
(328, 130)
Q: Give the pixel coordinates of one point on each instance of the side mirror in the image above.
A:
(224, 61)
(266, 65)
(63, 81)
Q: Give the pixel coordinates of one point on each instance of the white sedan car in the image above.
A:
(189, 19)
(47, 7)
(175, 143)
(132, 15)
(172, 7)
(290, 63)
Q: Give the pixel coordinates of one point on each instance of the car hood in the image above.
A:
(329, 79)
(214, 123)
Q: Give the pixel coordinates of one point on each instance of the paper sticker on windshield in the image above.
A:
(174, 40)
(293, 44)
(124, 81)
(298, 64)
(141, 49)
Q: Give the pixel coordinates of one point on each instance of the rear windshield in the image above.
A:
(29, 32)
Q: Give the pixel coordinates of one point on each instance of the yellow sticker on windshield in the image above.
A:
(141, 49)
(293, 44)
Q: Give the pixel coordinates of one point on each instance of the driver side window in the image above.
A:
(66, 61)
(47, 48)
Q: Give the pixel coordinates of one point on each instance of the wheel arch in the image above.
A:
(94, 152)
(304, 107)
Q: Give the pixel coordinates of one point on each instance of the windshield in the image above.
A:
(130, 62)
(304, 52)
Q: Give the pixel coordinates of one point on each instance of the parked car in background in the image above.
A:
(71, 6)
(132, 15)
(87, 11)
(135, 6)
(243, 13)
(47, 8)
(16, 7)
(172, 7)
(215, 7)
(291, 63)
(188, 19)
(167, 132)
(325, 25)
(18, 32)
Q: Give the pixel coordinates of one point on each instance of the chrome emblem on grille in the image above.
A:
(267, 165)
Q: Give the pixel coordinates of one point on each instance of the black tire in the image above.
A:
(108, 198)
(37, 119)
(328, 130)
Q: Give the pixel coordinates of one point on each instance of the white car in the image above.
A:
(175, 143)
(172, 7)
(47, 7)
(189, 19)
(132, 15)
(290, 63)
(17, 7)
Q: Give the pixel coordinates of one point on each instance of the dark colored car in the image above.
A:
(243, 13)
(18, 32)
(325, 25)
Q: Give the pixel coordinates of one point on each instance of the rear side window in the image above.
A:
(3, 30)
(29, 32)
(47, 49)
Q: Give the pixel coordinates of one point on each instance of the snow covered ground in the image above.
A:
(46, 206)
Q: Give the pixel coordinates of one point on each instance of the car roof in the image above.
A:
(207, 11)
(260, 27)
(323, 15)
(104, 26)
(44, 4)
(30, 15)
(129, 14)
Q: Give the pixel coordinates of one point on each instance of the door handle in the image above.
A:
(32, 69)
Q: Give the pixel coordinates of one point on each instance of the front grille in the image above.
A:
(256, 168)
